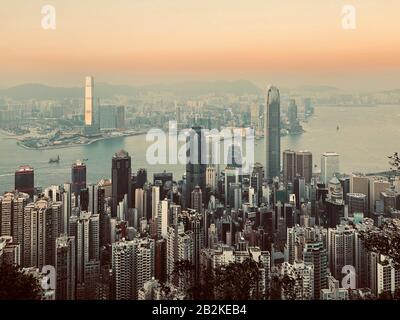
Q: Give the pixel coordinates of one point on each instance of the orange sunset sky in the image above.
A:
(287, 42)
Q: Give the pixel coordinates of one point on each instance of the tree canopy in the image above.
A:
(16, 285)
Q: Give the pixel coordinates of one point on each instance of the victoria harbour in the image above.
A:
(365, 138)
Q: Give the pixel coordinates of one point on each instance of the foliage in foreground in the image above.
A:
(15, 285)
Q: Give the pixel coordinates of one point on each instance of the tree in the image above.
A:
(385, 295)
(184, 272)
(394, 161)
(288, 287)
(15, 285)
(275, 290)
(396, 295)
(235, 281)
(238, 281)
(384, 240)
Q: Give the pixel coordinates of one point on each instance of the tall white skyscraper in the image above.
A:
(155, 199)
(329, 166)
(162, 219)
(139, 202)
(89, 101)
(211, 177)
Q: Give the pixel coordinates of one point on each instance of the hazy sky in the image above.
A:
(287, 42)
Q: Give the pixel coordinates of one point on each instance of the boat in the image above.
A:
(55, 160)
(337, 128)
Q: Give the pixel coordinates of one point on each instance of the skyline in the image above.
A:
(219, 151)
(141, 43)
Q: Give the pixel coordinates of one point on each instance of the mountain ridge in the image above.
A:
(106, 90)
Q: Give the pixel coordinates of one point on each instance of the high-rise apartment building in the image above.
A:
(65, 268)
(340, 249)
(315, 254)
(132, 265)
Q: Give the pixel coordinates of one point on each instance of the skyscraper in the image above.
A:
(107, 117)
(254, 115)
(211, 177)
(359, 183)
(65, 267)
(340, 249)
(197, 199)
(315, 254)
(133, 265)
(196, 166)
(329, 166)
(24, 180)
(297, 164)
(144, 258)
(155, 199)
(304, 165)
(377, 185)
(123, 269)
(120, 117)
(40, 232)
(272, 133)
(12, 207)
(289, 166)
(162, 219)
(357, 203)
(89, 121)
(78, 177)
(292, 113)
(121, 177)
(141, 177)
(79, 229)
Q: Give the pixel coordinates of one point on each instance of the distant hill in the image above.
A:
(39, 91)
(394, 91)
(105, 90)
(195, 88)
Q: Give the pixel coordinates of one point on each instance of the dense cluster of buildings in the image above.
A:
(121, 238)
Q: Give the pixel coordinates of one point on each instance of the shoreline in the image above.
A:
(64, 146)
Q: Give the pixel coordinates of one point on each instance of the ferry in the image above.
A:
(55, 160)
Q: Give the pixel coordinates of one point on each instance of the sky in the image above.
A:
(286, 42)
